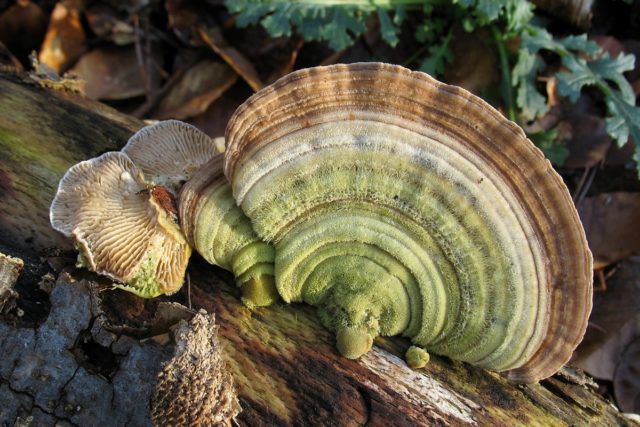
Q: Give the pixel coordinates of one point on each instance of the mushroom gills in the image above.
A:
(141, 247)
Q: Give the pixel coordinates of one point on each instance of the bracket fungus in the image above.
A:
(393, 203)
(217, 228)
(400, 205)
(122, 227)
(183, 159)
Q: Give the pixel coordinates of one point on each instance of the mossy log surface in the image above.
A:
(284, 363)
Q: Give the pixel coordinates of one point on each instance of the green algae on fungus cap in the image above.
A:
(123, 228)
(401, 205)
(169, 152)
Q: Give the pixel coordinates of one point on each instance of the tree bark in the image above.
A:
(284, 364)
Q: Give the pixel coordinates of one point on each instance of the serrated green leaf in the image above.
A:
(531, 102)
(400, 15)
(250, 15)
(388, 30)
(624, 119)
(617, 129)
(434, 64)
(489, 10)
(537, 38)
(571, 83)
(464, 3)
(612, 69)
(553, 150)
(518, 14)
(277, 24)
(580, 43)
(429, 29)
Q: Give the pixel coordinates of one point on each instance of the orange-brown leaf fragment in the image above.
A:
(612, 225)
(65, 40)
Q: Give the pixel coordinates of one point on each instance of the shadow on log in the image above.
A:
(284, 363)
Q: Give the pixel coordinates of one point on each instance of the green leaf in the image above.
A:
(612, 69)
(547, 142)
(438, 57)
(531, 102)
(536, 38)
(518, 14)
(580, 43)
(489, 10)
(464, 3)
(277, 24)
(388, 30)
(400, 15)
(624, 119)
(429, 29)
(571, 83)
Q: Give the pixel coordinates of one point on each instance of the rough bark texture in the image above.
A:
(82, 362)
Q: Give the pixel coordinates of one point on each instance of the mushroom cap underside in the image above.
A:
(169, 152)
(120, 229)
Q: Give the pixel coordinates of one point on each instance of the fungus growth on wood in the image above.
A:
(396, 204)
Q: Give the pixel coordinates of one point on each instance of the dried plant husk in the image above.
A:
(195, 387)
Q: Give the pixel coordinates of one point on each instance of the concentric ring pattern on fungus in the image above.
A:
(401, 205)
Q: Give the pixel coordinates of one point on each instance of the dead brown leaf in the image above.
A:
(612, 225)
(613, 322)
(589, 142)
(626, 382)
(609, 44)
(199, 86)
(475, 65)
(65, 40)
(7, 60)
(213, 38)
(285, 67)
(115, 73)
(214, 121)
(107, 24)
(22, 27)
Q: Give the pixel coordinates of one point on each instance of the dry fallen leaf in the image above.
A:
(22, 27)
(589, 142)
(614, 322)
(475, 61)
(107, 24)
(115, 73)
(7, 60)
(198, 87)
(213, 38)
(626, 382)
(65, 40)
(285, 67)
(612, 225)
(214, 121)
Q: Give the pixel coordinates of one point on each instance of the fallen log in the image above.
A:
(284, 364)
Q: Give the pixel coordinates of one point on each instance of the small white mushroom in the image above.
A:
(123, 228)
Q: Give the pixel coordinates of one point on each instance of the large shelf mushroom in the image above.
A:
(400, 205)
